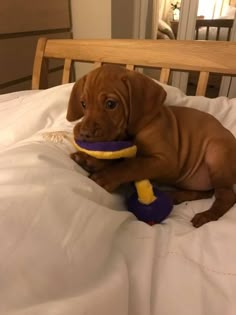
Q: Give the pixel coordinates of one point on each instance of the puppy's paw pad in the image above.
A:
(104, 181)
(75, 157)
(202, 218)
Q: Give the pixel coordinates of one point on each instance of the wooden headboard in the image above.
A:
(22, 22)
(203, 56)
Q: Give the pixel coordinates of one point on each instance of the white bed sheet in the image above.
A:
(69, 247)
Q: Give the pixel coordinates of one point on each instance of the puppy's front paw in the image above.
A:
(82, 160)
(88, 163)
(105, 180)
(202, 218)
(75, 157)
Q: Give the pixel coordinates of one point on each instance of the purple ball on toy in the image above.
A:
(155, 212)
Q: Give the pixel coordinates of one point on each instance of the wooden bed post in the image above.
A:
(40, 68)
(66, 71)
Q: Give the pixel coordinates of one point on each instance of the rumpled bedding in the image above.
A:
(69, 247)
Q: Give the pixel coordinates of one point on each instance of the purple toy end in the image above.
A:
(155, 212)
(106, 146)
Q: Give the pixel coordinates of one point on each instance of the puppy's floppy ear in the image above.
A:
(74, 110)
(145, 99)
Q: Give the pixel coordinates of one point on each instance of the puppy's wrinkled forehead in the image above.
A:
(106, 79)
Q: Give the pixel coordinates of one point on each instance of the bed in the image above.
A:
(69, 247)
(213, 29)
(219, 27)
(210, 29)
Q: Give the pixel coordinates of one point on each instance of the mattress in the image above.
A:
(69, 247)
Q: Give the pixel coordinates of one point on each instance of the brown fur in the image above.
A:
(177, 146)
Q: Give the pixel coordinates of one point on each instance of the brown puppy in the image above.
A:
(177, 146)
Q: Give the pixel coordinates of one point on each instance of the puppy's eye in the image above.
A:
(110, 104)
(83, 104)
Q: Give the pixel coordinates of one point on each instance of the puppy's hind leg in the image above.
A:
(179, 196)
(225, 198)
(222, 170)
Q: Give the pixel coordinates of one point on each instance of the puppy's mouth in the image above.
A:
(102, 138)
(93, 139)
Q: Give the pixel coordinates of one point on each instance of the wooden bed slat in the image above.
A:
(218, 33)
(197, 33)
(130, 67)
(229, 33)
(164, 76)
(97, 65)
(202, 83)
(39, 64)
(66, 71)
(207, 32)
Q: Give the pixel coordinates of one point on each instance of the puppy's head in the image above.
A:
(115, 102)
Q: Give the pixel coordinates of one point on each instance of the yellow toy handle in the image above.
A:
(145, 191)
(144, 187)
(109, 155)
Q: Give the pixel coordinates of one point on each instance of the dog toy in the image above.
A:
(148, 204)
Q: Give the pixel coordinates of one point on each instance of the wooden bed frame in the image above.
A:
(202, 56)
(208, 24)
(219, 24)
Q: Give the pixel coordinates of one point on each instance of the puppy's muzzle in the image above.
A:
(90, 134)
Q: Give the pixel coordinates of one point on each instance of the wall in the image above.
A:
(132, 19)
(110, 19)
(90, 19)
(122, 18)
(22, 23)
